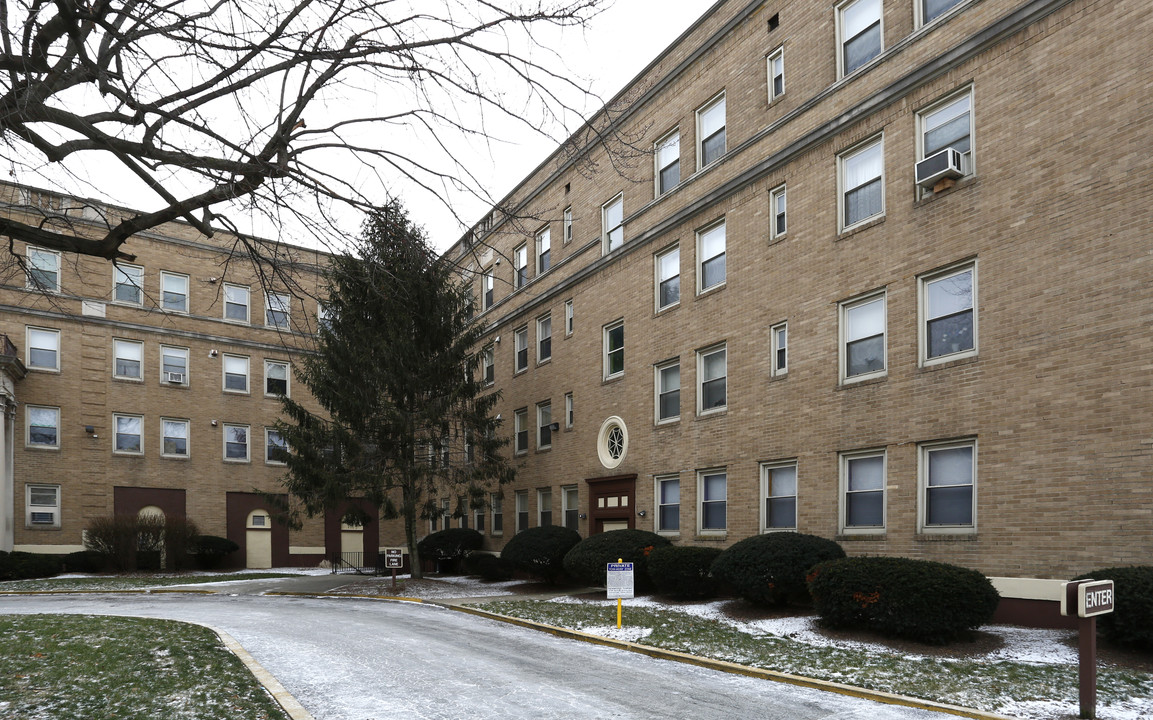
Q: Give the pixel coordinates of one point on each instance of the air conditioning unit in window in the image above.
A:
(938, 166)
(43, 518)
(174, 378)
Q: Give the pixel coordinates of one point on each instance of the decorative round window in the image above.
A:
(612, 442)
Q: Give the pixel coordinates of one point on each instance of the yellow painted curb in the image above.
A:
(136, 591)
(333, 595)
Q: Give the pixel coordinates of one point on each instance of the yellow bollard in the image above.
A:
(619, 560)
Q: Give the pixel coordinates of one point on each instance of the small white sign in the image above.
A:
(619, 581)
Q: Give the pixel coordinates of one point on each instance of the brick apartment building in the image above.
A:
(151, 386)
(763, 321)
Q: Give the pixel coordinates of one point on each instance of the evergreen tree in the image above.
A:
(405, 422)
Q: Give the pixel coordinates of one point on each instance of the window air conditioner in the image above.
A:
(938, 166)
(174, 377)
(43, 518)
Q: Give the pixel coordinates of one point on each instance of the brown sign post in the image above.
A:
(1086, 599)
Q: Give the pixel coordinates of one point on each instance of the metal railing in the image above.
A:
(354, 562)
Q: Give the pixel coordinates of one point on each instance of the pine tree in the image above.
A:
(405, 421)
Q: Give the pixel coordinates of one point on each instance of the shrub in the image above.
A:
(210, 550)
(683, 571)
(540, 551)
(29, 566)
(587, 560)
(176, 539)
(488, 566)
(115, 538)
(85, 561)
(450, 544)
(770, 569)
(1131, 622)
(930, 602)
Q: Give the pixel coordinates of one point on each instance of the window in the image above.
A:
(950, 323)
(776, 74)
(567, 225)
(933, 9)
(323, 316)
(276, 310)
(521, 510)
(43, 349)
(43, 269)
(862, 184)
(236, 303)
(948, 481)
(543, 338)
(668, 156)
(713, 491)
(779, 488)
(173, 365)
(568, 317)
(544, 425)
(779, 335)
(948, 124)
(612, 442)
(543, 250)
(863, 492)
(668, 504)
(859, 25)
(711, 132)
(614, 344)
(128, 432)
(236, 443)
(519, 266)
(275, 448)
(174, 437)
(43, 426)
(520, 426)
(494, 500)
(235, 373)
(486, 288)
(275, 378)
(668, 278)
(544, 507)
(570, 506)
(778, 222)
(668, 391)
(43, 503)
(712, 369)
(612, 224)
(711, 257)
(129, 356)
(174, 292)
(128, 281)
(478, 519)
(568, 411)
(863, 346)
(488, 360)
(520, 345)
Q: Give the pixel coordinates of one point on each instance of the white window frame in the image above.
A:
(660, 276)
(247, 443)
(119, 346)
(659, 504)
(543, 419)
(708, 232)
(33, 265)
(520, 349)
(543, 333)
(968, 158)
(187, 437)
(520, 266)
(28, 427)
(568, 318)
(778, 349)
(487, 291)
(767, 470)
(568, 411)
(777, 56)
(665, 142)
(570, 503)
(543, 497)
(923, 309)
(566, 226)
(846, 308)
(174, 351)
(275, 302)
(607, 245)
(247, 304)
(520, 429)
(496, 507)
(126, 271)
(843, 161)
(55, 507)
(714, 101)
(287, 377)
(28, 344)
(488, 363)
(607, 375)
(778, 209)
(268, 433)
(543, 250)
(116, 418)
(247, 374)
(842, 71)
(919, 12)
(701, 355)
(923, 487)
(658, 391)
(846, 459)
(701, 500)
(165, 276)
(520, 507)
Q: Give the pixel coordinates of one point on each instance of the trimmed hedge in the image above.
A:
(683, 570)
(210, 550)
(29, 566)
(540, 551)
(586, 562)
(930, 602)
(450, 544)
(1131, 622)
(84, 561)
(770, 569)
(488, 566)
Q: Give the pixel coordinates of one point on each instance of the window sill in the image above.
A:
(122, 379)
(779, 377)
(44, 370)
(181, 458)
(713, 413)
(714, 289)
(119, 453)
(50, 448)
(181, 386)
(707, 536)
(847, 384)
(667, 422)
(776, 239)
(860, 227)
(613, 378)
(864, 536)
(546, 361)
(927, 197)
(42, 528)
(950, 535)
(666, 309)
(539, 450)
(235, 461)
(522, 371)
(945, 362)
(226, 391)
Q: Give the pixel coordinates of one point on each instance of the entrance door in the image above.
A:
(258, 540)
(612, 503)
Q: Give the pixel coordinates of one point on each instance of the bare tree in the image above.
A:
(285, 111)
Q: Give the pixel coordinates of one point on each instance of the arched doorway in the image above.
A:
(258, 540)
(150, 545)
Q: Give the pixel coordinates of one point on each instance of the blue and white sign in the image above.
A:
(619, 581)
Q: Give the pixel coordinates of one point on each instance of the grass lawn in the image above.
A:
(64, 667)
(127, 582)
